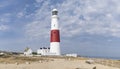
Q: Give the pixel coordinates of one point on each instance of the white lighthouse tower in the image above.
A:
(55, 36)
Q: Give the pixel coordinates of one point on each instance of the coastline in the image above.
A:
(103, 57)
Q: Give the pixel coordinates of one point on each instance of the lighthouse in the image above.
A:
(54, 34)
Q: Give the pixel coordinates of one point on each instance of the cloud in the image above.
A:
(5, 18)
(20, 14)
(96, 17)
(91, 17)
(39, 27)
(3, 27)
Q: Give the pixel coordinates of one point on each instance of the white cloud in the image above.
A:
(97, 17)
(5, 18)
(40, 26)
(3, 27)
(20, 14)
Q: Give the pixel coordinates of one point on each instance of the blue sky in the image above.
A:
(88, 27)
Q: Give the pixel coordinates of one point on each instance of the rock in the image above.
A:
(90, 61)
(27, 63)
(77, 68)
(94, 67)
(40, 61)
(17, 63)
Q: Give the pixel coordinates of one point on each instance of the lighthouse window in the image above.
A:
(54, 12)
(54, 25)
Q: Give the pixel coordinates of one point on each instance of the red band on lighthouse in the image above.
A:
(55, 37)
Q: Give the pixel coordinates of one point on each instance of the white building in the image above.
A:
(72, 55)
(43, 51)
(28, 51)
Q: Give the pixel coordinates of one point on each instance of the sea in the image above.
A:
(103, 57)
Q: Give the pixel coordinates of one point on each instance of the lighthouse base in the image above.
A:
(55, 48)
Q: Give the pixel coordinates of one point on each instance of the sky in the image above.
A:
(87, 27)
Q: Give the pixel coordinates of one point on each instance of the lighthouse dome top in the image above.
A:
(54, 12)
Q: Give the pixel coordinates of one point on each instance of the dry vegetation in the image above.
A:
(23, 59)
(108, 62)
(19, 59)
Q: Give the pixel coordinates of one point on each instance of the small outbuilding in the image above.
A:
(28, 51)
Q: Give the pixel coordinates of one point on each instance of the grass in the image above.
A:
(19, 59)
